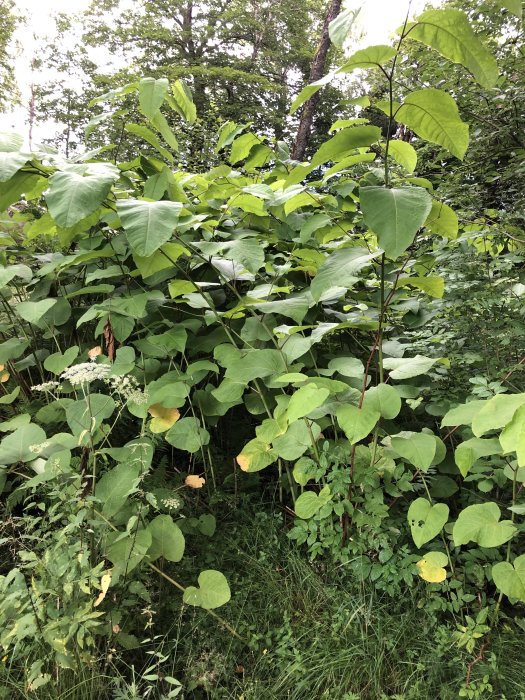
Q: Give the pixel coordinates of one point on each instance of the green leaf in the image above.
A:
(510, 578)
(11, 349)
(160, 123)
(19, 184)
(115, 486)
(72, 196)
(166, 539)
(512, 438)
(256, 364)
(10, 163)
(372, 57)
(162, 259)
(433, 115)
(187, 434)
(150, 137)
(513, 6)
(357, 423)
(471, 450)
(213, 591)
(496, 413)
(184, 102)
(21, 445)
(256, 455)
(86, 415)
(151, 95)
(297, 439)
(417, 448)
(395, 215)
(242, 146)
(340, 269)
(304, 401)
(337, 147)
(383, 399)
(433, 286)
(9, 141)
(463, 414)
(310, 90)
(309, 503)
(407, 367)
(449, 33)
(426, 520)
(127, 553)
(341, 26)
(148, 225)
(347, 366)
(442, 220)
(58, 362)
(34, 311)
(404, 154)
(481, 523)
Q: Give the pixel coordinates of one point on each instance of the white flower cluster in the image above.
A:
(171, 503)
(46, 386)
(85, 372)
(128, 388)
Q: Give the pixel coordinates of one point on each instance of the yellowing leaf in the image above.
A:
(104, 585)
(430, 568)
(4, 375)
(94, 352)
(163, 418)
(194, 481)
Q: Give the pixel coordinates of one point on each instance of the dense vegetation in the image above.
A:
(263, 420)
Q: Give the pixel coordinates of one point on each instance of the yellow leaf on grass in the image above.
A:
(163, 418)
(4, 375)
(430, 568)
(104, 585)
(194, 481)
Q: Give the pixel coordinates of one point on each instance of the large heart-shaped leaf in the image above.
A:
(395, 215)
(73, 195)
(433, 115)
(148, 225)
(496, 412)
(187, 434)
(417, 448)
(449, 33)
(22, 445)
(151, 95)
(304, 400)
(481, 523)
(510, 578)
(213, 591)
(114, 487)
(426, 520)
(346, 140)
(384, 399)
(167, 539)
(431, 567)
(127, 553)
(10, 163)
(357, 422)
(468, 452)
(309, 502)
(340, 269)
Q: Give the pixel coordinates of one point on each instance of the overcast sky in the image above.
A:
(378, 19)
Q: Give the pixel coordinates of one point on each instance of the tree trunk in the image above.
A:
(317, 70)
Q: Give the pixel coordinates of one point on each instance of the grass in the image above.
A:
(311, 633)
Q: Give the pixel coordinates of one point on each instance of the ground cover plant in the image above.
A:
(250, 442)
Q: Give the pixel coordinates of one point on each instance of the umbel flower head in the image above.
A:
(85, 372)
